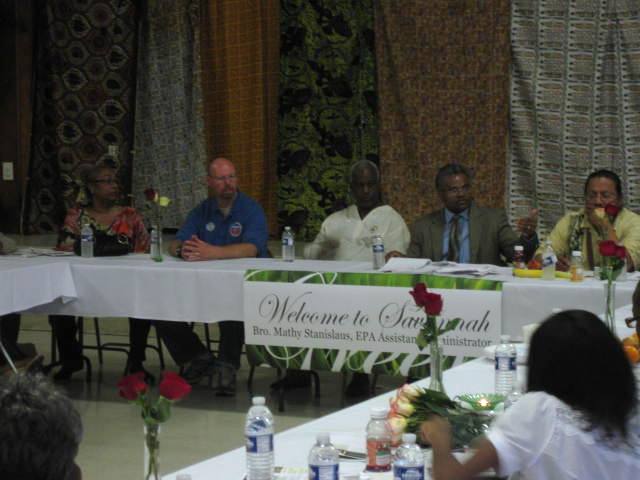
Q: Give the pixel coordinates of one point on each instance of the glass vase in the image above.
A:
(610, 305)
(436, 367)
(152, 452)
(156, 243)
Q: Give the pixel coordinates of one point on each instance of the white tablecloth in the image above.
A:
(26, 284)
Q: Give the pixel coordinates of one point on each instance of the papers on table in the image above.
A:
(421, 265)
(40, 252)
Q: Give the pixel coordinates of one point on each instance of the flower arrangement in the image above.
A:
(154, 412)
(613, 263)
(432, 304)
(154, 202)
(413, 405)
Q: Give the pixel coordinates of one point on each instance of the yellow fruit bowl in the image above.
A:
(526, 273)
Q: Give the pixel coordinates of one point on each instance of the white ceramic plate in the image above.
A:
(521, 348)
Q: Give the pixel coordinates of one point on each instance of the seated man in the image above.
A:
(464, 232)
(40, 430)
(347, 234)
(228, 225)
(584, 229)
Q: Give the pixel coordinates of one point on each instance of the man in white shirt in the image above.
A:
(348, 233)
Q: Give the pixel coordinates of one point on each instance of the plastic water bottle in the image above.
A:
(506, 366)
(378, 252)
(548, 262)
(324, 462)
(86, 241)
(378, 441)
(259, 441)
(577, 269)
(408, 463)
(288, 245)
(518, 257)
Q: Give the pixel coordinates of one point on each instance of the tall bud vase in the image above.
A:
(436, 367)
(156, 243)
(152, 452)
(610, 305)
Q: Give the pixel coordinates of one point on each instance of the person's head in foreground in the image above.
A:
(40, 430)
(576, 420)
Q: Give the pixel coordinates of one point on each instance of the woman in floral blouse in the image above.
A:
(103, 213)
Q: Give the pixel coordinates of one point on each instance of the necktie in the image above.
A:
(454, 241)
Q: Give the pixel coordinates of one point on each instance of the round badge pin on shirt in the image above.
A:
(210, 227)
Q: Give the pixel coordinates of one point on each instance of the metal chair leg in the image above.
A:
(8, 357)
(96, 326)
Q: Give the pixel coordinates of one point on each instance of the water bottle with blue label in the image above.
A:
(378, 252)
(87, 240)
(408, 463)
(324, 462)
(288, 245)
(506, 366)
(259, 441)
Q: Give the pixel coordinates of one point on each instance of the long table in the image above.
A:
(135, 286)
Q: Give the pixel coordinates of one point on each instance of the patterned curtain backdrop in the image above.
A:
(240, 87)
(84, 96)
(169, 128)
(327, 110)
(443, 82)
(575, 101)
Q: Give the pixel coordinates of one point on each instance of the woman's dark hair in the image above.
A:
(603, 173)
(574, 357)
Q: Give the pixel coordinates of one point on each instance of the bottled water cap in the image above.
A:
(323, 438)
(379, 412)
(409, 438)
(258, 400)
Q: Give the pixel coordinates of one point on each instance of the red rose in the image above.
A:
(431, 302)
(621, 252)
(608, 248)
(150, 194)
(173, 386)
(132, 386)
(612, 210)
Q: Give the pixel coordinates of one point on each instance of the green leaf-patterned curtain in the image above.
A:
(327, 106)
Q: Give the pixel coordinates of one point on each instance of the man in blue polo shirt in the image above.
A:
(229, 224)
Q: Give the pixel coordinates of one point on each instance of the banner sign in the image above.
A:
(370, 313)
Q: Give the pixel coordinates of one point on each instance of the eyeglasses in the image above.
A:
(106, 181)
(224, 178)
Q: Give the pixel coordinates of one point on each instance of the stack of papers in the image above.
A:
(40, 252)
(421, 265)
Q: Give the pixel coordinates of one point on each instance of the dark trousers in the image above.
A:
(66, 331)
(184, 344)
(9, 328)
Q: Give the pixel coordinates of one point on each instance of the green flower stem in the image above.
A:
(152, 442)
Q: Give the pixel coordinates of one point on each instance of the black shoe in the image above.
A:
(67, 370)
(359, 385)
(293, 379)
(204, 365)
(226, 380)
(135, 367)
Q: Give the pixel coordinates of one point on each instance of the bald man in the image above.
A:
(229, 224)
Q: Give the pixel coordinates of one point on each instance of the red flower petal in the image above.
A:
(173, 386)
(150, 194)
(607, 248)
(612, 210)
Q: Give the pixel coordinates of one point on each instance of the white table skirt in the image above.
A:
(135, 286)
(23, 286)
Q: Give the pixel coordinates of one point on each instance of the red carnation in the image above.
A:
(608, 248)
(621, 252)
(612, 210)
(132, 386)
(173, 386)
(150, 194)
(431, 302)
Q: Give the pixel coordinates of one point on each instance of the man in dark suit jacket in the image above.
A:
(464, 232)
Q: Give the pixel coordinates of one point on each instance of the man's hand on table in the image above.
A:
(194, 250)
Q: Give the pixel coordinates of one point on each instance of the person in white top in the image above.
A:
(578, 420)
(348, 234)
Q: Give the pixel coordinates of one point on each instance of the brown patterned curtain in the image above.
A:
(443, 86)
(85, 68)
(575, 102)
(240, 48)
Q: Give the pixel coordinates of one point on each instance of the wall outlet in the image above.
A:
(7, 171)
(112, 150)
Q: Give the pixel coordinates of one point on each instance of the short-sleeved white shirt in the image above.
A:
(541, 438)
